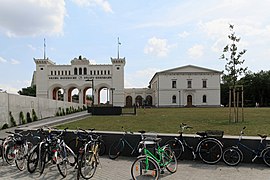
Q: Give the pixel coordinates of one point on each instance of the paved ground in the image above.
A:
(120, 169)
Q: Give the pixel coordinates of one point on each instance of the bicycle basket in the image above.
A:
(214, 133)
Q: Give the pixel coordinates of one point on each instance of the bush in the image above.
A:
(12, 120)
(34, 116)
(28, 117)
(5, 126)
(22, 119)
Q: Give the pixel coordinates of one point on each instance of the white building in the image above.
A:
(183, 86)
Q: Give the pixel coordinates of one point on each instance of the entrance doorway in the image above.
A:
(189, 101)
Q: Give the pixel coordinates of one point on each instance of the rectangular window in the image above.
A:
(173, 83)
(189, 84)
(204, 84)
(51, 72)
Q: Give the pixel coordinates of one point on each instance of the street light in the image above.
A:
(93, 90)
(112, 89)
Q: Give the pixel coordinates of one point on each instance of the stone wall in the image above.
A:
(16, 103)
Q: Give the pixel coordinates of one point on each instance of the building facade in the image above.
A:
(179, 87)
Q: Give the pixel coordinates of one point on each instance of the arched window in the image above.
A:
(174, 99)
(85, 71)
(75, 71)
(80, 71)
(204, 99)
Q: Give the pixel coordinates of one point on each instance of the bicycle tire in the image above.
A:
(139, 168)
(9, 153)
(169, 160)
(88, 165)
(44, 156)
(32, 160)
(102, 149)
(210, 151)
(266, 156)
(71, 156)
(20, 158)
(176, 147)
(116, 149)
(232, 156)
(62, 163)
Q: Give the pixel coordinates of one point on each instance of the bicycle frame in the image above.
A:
(123, 140)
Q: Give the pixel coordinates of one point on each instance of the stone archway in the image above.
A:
(128, 101)
(148, 100)
(138, 101)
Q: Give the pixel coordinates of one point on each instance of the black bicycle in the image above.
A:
(209, 148)
(118, 146)
(233, 155)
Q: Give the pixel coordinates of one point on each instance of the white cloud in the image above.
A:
(14, 62)
(2, 60)
(157, 47)
(103, 4)
(32, 17)
(196, 51)
(15, 86)
(183, 34)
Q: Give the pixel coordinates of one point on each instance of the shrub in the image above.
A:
(34, 116)
(12, 120)
(5, 126)
(28, 117)
(22, 119)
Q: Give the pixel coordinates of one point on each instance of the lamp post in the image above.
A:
(112, 89)
(93, 90)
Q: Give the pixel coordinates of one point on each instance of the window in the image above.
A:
(189, 84)
(80, 71)
(109, 72)
(94, 72)
(174, 99)
(101, 72)
(105, 72)
(173, 83)
(204, 84)
(204, 99)
(90, 72)
(75, 71)
(51, 72)
(85, 71)
(41, 69)
(58, 72)
(97, 72)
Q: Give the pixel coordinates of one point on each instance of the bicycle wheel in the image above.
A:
(10, 153)
(266, 156)
(62, 163)
(32, 160)
(145, 168)
(115, 149)
(43, 157)
(169, 160)
(102, 149)
(20, 158)
(232, 156)
(210, 151)
(87, 165)
(176, 146)
(71, 157)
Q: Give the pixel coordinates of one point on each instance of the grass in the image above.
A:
(167, 120)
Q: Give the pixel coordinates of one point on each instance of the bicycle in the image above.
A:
(151, 164)
(88, 156)
(209, 148)
(233, 155)
(117, 147)
(19, 149)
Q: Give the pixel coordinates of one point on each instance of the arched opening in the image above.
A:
(138, 101)
(88, 96)
(104, 96)
(85, 71)
(204, 99)
(174, 99)
(75, 71)
(80, 71)
(189, 101)
(148, 100)
(58, 94)
(128, 101)
(75, 95)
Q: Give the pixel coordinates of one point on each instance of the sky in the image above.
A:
(155, 35)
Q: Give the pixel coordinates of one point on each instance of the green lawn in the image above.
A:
(167, 120)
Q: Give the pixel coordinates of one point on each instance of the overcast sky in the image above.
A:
(155, 35)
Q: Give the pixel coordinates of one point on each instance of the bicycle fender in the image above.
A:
(263, 151)
(206, 139)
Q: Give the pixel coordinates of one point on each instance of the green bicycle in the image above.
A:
(149, 165)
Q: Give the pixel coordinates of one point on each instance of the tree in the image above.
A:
(233, 67)
(29, 91)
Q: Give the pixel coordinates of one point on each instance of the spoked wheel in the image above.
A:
(20, 159)
(87, 165)
(210, 151)
(266, 156)
(10, 153)
(62, 163)
(71, 157)
(115, 149)
(32, 160)
(145, 168)
(176, 147)
(102, 149)
(232, 156)
(169, 160)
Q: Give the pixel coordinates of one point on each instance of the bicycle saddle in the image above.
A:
(142, 131)
(263, 136)
(156, 140)
(201, 133)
